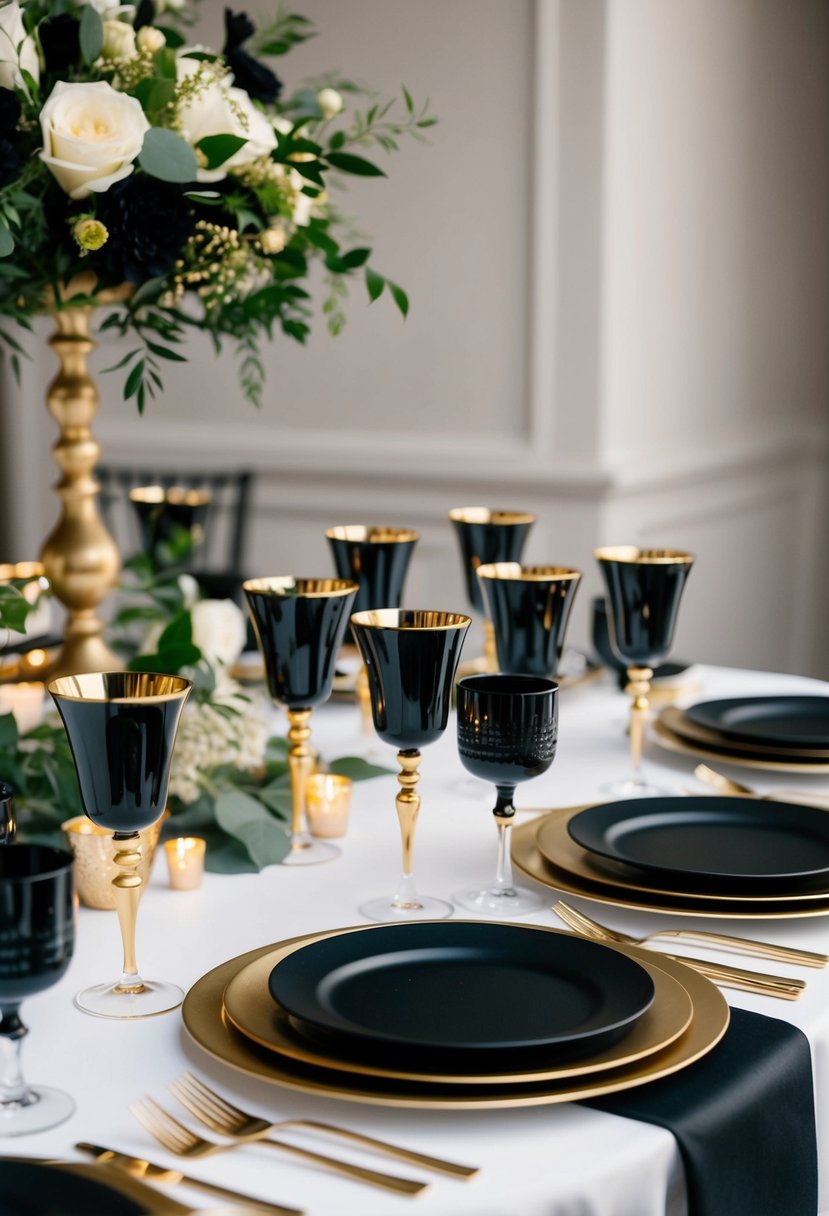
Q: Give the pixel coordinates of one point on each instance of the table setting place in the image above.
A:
(613, 1004)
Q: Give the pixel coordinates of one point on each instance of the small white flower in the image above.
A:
(17, 48)
(219, 631)
(330, 102)
(91, 136)
(149, 39)
(207, 738)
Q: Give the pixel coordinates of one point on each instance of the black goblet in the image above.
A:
(8, 821)
(377, 559)
(167, 512)
(122, 727)
(487, 536)
(299, 625)
(530, 607)
(507, 733)
(411, 657)
(37, 936)
(644, 588)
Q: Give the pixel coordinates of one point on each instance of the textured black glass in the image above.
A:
(37, 927)
(507, 727)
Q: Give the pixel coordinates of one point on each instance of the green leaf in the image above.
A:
(375, 284)
(266, 840)
(167, 156)
(356, 258)
(133, 383)
(347, 162)
(6, 241)
(91, 33)
(9, 733)
(400, 297)
(358, 769)
(225, 855)
(164, 352)
(174, 38)
(219, 148)
(14, 608)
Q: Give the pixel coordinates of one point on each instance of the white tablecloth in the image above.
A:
(558, 1160)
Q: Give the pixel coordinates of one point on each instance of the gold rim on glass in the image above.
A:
(288, 586)
(175, 496)
(485, 515)
(515, 572)
(372, 535)
(410, 618)
(631, 554)
(119, 686)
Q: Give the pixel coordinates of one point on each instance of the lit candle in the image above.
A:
(185, 861)
(327, 803)
(26, 702)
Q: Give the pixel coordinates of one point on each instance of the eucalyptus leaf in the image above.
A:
(265, 839)
(91, 33)
(167, 156)
(219, 148)
(358, 769)
(6, 241)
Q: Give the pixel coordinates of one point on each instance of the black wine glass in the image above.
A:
(167, 512)
(530, 608)
(486, 536)
(8, 819)
(411, 656)
(507, 733)
(37, 936)
(299, 625)
(122, 727)
(644, 588)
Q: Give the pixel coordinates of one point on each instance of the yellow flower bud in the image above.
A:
(272, 240)
(90, 234)
(149, 39)
(330, 102)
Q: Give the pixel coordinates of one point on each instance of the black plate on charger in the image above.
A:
(723, 843)
(473, 989)
(793, 721)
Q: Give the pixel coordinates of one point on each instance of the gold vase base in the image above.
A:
(119, 1003)
(82, 654)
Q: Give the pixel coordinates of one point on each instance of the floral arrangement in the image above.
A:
(131, 156)
(229, 782)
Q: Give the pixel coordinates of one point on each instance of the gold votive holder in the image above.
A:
(94, 869)
(185, 862)
(327, 804)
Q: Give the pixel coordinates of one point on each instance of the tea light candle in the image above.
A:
(26, 702)
(185, 861)
(327, 803)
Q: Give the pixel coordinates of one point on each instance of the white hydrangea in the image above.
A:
(207, 737)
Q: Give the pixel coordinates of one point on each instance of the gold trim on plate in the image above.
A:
(209, 1027)
(678, 723)
(254, 1013)
(588, 883)
(663, 737)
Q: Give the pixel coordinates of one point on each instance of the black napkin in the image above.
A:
(744, 1119)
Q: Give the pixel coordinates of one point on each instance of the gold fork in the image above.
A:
(222, 1116)
(178, 1139)
(727, 785)
(726, 977)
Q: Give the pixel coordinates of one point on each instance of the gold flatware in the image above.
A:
(727, 785)
(147, 1171)
(222, 1116)
(178, 1139)
(728, 977)
(742, 945)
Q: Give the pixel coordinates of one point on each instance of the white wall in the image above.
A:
(616, 246)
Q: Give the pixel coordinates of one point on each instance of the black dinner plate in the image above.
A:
(727, 843)
(476, 990)
(29, 1188)
(794, 721)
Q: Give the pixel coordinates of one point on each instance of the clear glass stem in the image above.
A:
(638, 687)
(127, 885)
(408, 805)
(504, 813)
(300, 766)
(14, 1093)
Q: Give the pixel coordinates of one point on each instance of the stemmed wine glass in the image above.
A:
(37, 936)
(644, 588)
(299, 625)
(411, 656)
(507, 733)
(486, 536)
(122, 727)
(377, 559)
(164, 511)
(530, 608)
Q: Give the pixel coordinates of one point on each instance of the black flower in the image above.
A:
(148, 222)
(9, 161)
(9, 111)
(258, 81)
(60, 39)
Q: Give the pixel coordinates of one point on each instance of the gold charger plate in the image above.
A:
(583, 880)
(251, 1009)
(556, 845)
(206, 1023)
(664, 737)
(677, 722)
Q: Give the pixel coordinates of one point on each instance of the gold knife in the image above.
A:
(137, 1167)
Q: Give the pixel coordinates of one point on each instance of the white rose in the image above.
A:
(330, 102)
(150, 39)
(189, 589)
(214, 107)
(119, 41)
(17, 48)
(91, 136)
(219, 630)
(107, 10)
